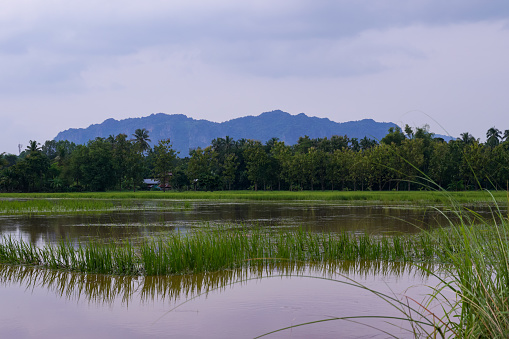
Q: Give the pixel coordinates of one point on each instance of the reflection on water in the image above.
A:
(106, 288)
(142, 222)
(240, 303)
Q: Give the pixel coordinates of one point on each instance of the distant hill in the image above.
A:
(187, 133)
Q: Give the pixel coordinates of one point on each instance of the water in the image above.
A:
(150, 218)
(229, 304)
(39, 303)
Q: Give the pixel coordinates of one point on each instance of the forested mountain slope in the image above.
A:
(187, 133)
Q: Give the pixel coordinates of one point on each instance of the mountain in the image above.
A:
(187, 133)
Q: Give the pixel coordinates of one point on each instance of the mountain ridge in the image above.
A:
(188, 133)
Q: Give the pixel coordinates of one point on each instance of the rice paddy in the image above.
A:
(472, 251)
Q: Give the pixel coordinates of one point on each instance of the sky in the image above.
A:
(69, 64)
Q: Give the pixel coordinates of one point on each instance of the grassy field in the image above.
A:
(332, 196)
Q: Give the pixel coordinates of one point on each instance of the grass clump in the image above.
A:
(213, 249)
(477, 253)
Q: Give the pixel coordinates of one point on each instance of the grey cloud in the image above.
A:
(297, 20)
(280, 41)
(311, 58)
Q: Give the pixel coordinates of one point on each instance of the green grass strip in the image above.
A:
(332, 196)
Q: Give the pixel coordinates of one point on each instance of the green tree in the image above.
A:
(256, 162)
(230, 165)
(493, 136)
(282, 155)
(164, 160)
(412, 160)
(367, 143)
(473, 167)
(98, 168)
(382, 164)
(466, 138)
(202, 168)
(394, 136)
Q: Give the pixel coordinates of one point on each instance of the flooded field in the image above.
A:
(239, 303)
(145, 218)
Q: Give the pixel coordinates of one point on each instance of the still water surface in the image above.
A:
(152, 218)
(229, 304)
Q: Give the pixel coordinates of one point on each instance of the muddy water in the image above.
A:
(149, 218)
(230, 304)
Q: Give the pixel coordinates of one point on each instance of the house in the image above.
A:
(156, 183)
(150, 183)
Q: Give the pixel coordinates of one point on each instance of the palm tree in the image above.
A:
(141, 139)
(506, 135)
(493, 137)
(466, 138)
(33, 146)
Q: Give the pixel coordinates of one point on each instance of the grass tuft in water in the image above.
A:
(213, 249)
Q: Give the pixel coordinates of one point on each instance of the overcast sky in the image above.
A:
(69, 64)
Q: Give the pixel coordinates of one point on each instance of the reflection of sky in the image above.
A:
(235, 311)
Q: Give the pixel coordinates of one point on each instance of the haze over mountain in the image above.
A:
(187, 133)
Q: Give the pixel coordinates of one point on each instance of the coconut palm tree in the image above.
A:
(493, 136)
(505, 137)
(141, 139)
(33, 146)
(466, 138)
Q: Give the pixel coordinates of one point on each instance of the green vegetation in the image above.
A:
(400, 161)
(213, 249)
(426, 197)
(478, 273)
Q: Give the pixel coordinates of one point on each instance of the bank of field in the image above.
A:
(421, 197)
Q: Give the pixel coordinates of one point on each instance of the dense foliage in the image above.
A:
(402, 160)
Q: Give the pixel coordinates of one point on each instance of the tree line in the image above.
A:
(405, 159)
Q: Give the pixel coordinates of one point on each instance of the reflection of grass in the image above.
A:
(102, 288)
(338, 196)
